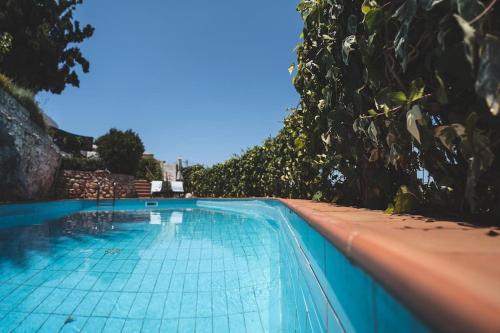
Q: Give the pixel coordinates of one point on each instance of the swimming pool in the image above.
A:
(181, 266)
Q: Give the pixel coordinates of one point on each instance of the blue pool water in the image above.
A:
(181, 266)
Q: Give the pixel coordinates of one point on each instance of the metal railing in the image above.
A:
(98, 196)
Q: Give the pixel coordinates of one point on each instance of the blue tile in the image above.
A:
(252, 322)
(221, 324)
(391, 316)
(113, 325)
(234, 304)
(172, 305)
(186, 325)
(53, 324)
(88, 281)
(177, 283)
(190, 283)
(188, 305)
(123, 305)
(204, 304)
(72, 280)
(94, 324)
(169, 325)
(204, 325)
(106, 304)
(88, 303)
(148, 283)
(152, 326)
(76, 325)
(6, 289)
(14, 298)
(156, 305)
(34, 299)
(12, 320)
(236, 323)
(134, 283)
(118, 282)
(51, 302)
(132, 326)
(334, 324)
(104, 281)
(31, 323)
(140, 306)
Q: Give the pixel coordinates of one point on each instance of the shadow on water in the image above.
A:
(82, 227)
(18, 243)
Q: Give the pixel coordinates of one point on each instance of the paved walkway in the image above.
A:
(447, 272)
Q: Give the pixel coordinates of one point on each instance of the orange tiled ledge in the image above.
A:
(447, 273)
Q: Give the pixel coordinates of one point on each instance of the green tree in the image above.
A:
(43, 35)
(121, 152)
(150, 169)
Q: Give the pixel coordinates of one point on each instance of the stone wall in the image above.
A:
(84, 184)
(29, 160)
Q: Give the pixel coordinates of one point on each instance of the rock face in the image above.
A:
(29, 160)
(84, 185)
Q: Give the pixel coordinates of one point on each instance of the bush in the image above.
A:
(121, 152)
(150, 169)
(26, 98)
(82, 164)
(399, 109)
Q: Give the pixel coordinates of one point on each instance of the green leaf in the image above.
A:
(417, 88)
(347, 47)
(488, 76)
(368, 5)
(404, 202)
(413, 116)
(429, 4)
(469, 39)
(405, 14)
(397, 97)
(373, 132)
(440, 92)
(373, 19)
(291, 68)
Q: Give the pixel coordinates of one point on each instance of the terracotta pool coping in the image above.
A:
(447, 273)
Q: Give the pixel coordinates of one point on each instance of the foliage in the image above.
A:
(121, 152)
(390, 91)
(43, 54)
(187, 174)
(82, 164)
(149, 169)
(5, 44)
(69, 142)
(25, 97)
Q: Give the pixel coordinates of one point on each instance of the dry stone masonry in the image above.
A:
(29, 160)
(84, 184)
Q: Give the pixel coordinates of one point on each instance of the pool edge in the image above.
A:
(440, 300)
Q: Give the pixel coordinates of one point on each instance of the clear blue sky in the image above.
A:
(201, 79)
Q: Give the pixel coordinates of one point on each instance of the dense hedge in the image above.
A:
(82, 164)
(399, 104)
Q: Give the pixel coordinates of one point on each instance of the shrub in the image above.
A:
(150, 169)
(121, 152)
(82, 164)
(399, 109)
